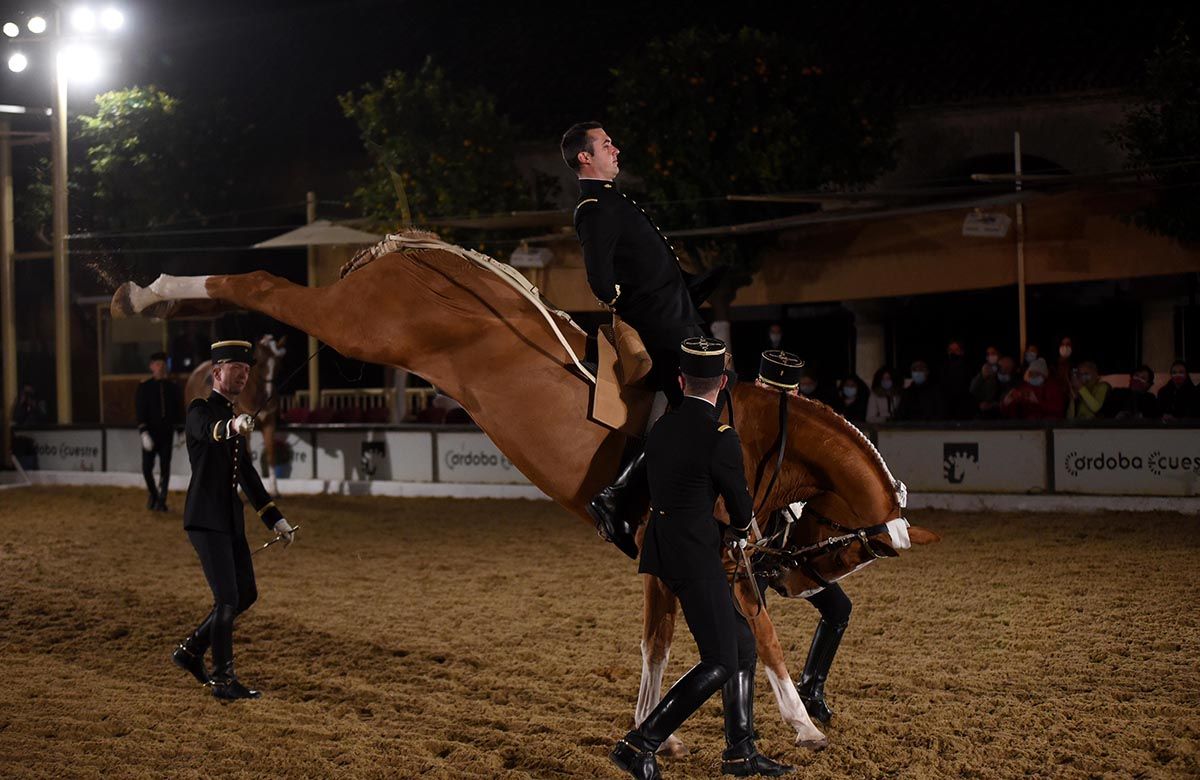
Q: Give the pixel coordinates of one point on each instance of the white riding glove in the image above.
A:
(242, 424)
(284, 529)
(147, 441)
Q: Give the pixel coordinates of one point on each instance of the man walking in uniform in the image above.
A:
(212, 516)
(159, 409)
(691, 459)
(779, 370)
(633, 271)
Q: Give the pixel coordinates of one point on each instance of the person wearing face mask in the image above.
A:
(811, 389)
(1064, 366)
(957, 403)
(1036, 398)
(922, 399)
(1031, 354)
(1006, 378)
(1088, 393)
(1179, 398)
(1135, 402)
(852, 401)
(885, 396)
(985, 392)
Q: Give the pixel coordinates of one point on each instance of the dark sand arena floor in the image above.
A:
(436, 638)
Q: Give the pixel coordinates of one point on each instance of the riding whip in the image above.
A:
(278, 537)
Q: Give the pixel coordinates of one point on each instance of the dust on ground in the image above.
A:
(443, 638)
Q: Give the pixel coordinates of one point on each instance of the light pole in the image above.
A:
(71, 59)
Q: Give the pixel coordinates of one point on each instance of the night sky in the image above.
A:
(280, 66)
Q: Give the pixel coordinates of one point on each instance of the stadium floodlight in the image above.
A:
(18, 62)
(111, 19)
(83, 19)
(79, 64)
(12, 29)
(36, 25)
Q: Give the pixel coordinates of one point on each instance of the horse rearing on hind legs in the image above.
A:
(475, 328)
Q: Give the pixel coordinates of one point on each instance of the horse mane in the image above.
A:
(839, 421)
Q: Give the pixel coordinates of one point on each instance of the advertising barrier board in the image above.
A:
(1116, 461)
(966, 461)
(471, 457)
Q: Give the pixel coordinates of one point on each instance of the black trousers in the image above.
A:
(833, 604)
(227, 567)
(164, 443)
(721, 633)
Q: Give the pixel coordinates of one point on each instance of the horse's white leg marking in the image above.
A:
(793, 710)
(171, 288)
(650, 691)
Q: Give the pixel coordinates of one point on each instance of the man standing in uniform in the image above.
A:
(212, 517)
(634, 271)
(159, 409)
(691, 459)
(782, 371)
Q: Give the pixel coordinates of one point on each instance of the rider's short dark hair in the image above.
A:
(701, 385)
(576, 140)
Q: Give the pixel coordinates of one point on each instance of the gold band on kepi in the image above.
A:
(702, 357)
(780, 369)
(233, 351)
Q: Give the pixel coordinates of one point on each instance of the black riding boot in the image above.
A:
(820, 657)
(189, 656)
(635, 752)
(610, 510)
(225, 683)
(741, 758)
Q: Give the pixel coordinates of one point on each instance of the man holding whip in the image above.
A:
(217, 444)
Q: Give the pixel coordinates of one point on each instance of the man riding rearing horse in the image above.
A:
(633, 271)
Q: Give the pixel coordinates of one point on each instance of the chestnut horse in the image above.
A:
(257, 398)
(474, 328)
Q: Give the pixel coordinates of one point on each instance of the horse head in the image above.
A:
(835, 506)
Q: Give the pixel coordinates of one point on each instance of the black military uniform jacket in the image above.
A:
(691, 459)
(159, 405)
(220, 463)
(630, 264)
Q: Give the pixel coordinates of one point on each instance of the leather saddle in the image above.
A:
(622, 396)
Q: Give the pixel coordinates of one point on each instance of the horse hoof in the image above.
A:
(815, 745)
(673, 748)
(122, 301)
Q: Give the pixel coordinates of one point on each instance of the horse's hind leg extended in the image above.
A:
(658, 626)
(771, 655)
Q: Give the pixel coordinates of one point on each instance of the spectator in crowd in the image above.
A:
(921, 400)
(885, 396)
(1135, 402)
(992, 356)
(1036, 398)
(29, 409)
(1179, 399)
(1006, 376)
(1032, 353)
(956, 384)
(985, 392)
(1087, 393)
(774, 337)
(811, 389)
(852, 399)
(1063, 366)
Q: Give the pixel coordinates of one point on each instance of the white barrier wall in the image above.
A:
(1162, 462)
(1098, 461)
(966, 461)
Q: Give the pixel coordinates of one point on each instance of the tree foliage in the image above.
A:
(706, 113)
(1163, 129)
(453, 152)
(142, 159)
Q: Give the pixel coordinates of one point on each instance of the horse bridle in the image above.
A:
(802, 558)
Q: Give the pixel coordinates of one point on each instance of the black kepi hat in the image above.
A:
(702, 357)
(780, 369)
(233, 352)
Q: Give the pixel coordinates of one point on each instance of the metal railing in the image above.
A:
(416, 399)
